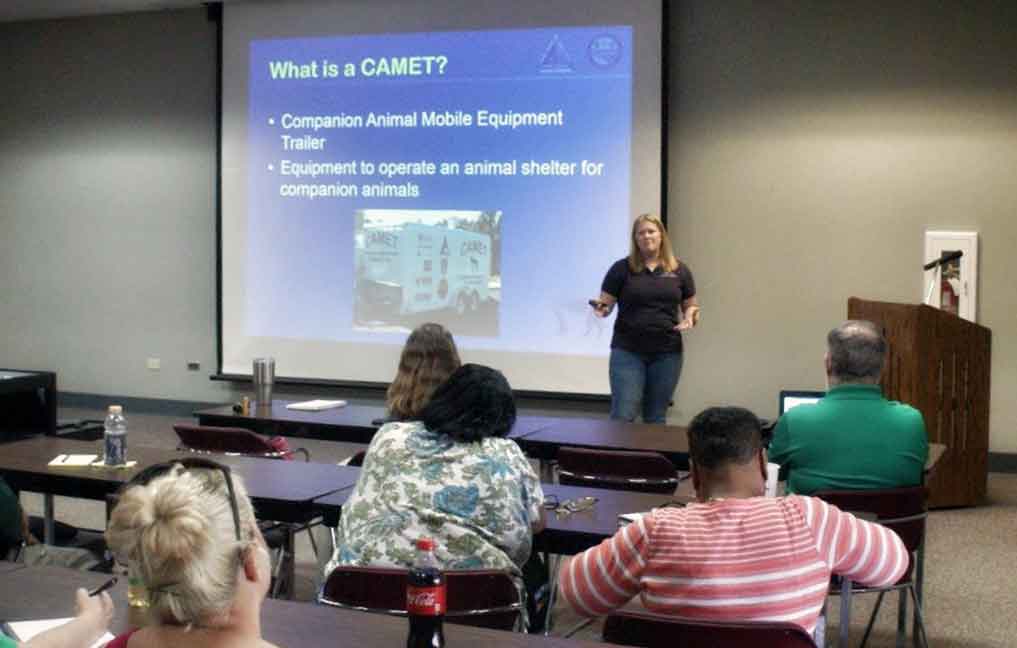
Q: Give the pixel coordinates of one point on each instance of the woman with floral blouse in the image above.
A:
(451, 476)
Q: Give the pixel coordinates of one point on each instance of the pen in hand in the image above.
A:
(102, 588)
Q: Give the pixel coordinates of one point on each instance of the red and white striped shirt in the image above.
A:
(756, 559)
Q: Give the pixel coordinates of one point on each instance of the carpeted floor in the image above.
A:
(970, 597)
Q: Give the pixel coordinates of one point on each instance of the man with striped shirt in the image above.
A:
(733, 555)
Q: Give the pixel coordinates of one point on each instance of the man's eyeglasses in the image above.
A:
(569, 506)
(192, 463)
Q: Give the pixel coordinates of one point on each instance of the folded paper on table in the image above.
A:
(25, 630)
(73, 460)
(101, 463)
(316, 405)
(626, 518)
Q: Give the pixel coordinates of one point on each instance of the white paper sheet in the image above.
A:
(25, 630)
(74, 460)
(316, 405)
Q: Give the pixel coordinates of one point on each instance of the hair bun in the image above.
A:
(171, 526)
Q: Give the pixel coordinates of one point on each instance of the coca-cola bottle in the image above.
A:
(425, 599)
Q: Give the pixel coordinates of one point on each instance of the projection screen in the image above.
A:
(476, 164)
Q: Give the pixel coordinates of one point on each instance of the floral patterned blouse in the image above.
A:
(477, 500)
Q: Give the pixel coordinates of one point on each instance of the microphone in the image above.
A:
(945, 258)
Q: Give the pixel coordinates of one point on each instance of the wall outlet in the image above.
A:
(153, 364)
(193, 365)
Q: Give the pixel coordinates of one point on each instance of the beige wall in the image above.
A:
(811, 145)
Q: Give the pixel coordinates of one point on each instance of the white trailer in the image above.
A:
(414, 268)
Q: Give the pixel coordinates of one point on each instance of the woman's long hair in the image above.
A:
(428, 359)
(666, 253)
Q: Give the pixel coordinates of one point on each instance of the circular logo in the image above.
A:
(604, 50)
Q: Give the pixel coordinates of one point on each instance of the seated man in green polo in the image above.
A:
(13, 526)
(17, 542)
(853, 438)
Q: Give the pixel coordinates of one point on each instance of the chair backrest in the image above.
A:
(357, 460)
(487, 598)
(648, 472)
(653, 630)
(224, 440)
(901, 509)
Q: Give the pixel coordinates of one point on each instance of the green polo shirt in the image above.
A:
(10, 519)
(7, 642)
(852, 439)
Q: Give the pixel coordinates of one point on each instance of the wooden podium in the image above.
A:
(939, 364)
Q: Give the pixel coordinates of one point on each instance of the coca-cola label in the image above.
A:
(425, 601)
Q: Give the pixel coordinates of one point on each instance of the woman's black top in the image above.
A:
(648, 304)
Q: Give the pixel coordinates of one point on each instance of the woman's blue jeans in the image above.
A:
(650, 378)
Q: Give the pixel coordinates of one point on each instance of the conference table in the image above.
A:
(350, 423)
(564, 534)
(605, 434)
(48, 592)
(283, 491)
(538, 436)
(291, 491)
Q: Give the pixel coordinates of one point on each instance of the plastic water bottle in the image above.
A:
(137, 593)
(115, 437)
(425, 599)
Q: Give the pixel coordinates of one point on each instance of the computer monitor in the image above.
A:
(794, 397)
(28, 403)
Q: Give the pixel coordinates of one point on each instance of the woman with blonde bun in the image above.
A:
(190, 529)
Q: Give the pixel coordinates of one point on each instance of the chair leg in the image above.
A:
(553, 562)
(919, 619)
(845, 613)
(314, 543)
(872, 619)
(579, 626)
(902, 619)
(277, 573)
(285, 569)
(919, 581)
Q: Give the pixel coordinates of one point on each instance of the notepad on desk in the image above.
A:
(316, 405)
(25, 630)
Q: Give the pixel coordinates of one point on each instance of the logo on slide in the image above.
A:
(604, 50)
(556, 58)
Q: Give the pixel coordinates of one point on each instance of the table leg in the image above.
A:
(547, 471)
(48, 533)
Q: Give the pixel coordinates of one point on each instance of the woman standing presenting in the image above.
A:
(656, 297)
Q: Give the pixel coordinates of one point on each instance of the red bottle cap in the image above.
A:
(425, 544)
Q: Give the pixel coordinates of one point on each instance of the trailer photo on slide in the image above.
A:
(415, 265)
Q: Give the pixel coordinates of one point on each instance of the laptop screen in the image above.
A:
(794, 398)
